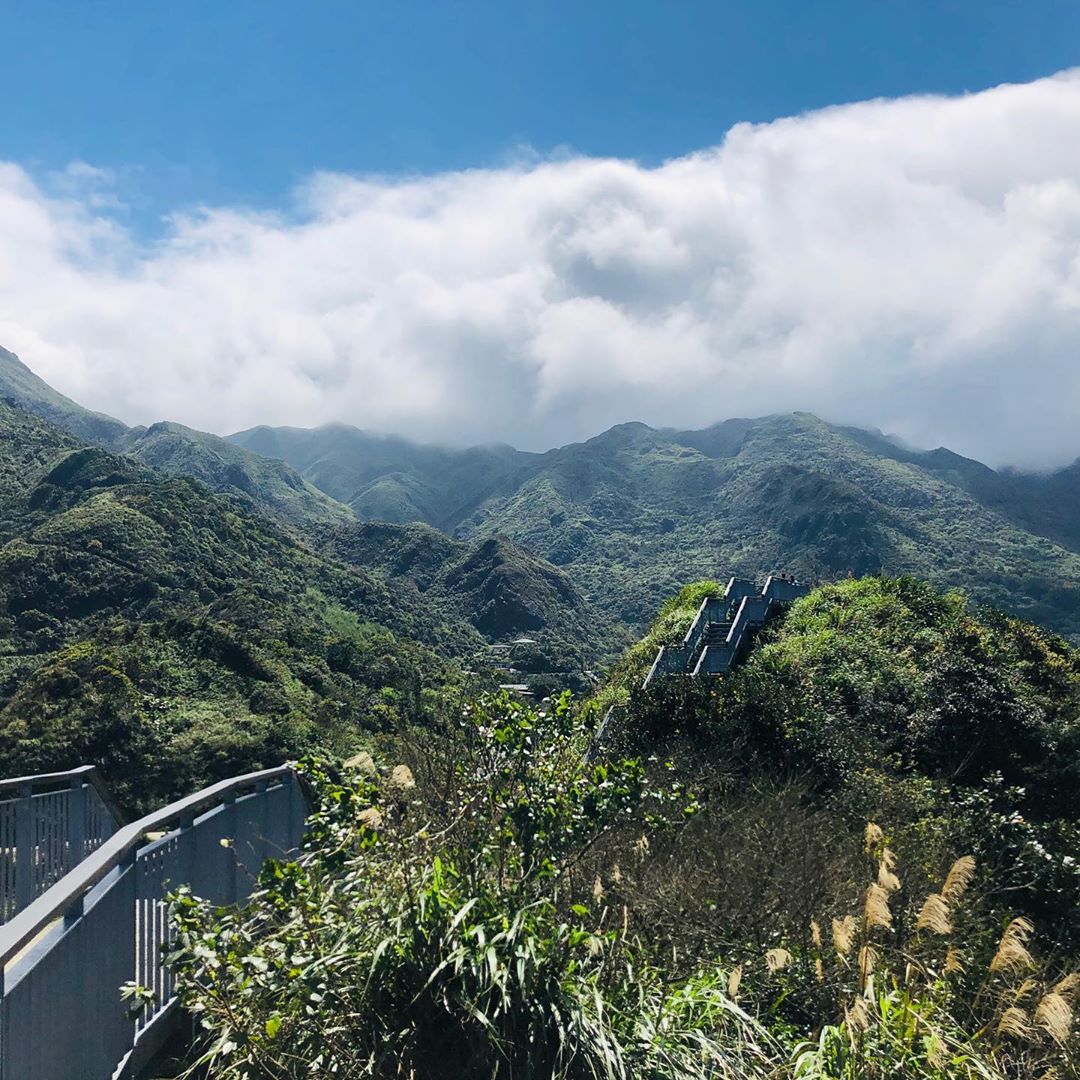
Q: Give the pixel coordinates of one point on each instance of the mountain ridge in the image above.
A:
(636, 510)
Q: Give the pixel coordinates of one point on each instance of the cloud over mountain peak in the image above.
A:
(912, 263)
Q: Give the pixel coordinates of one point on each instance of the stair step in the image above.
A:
(716, 633)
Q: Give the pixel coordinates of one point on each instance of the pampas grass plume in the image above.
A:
(1054, 1016)
(876, 909)
(843, 934)
(1012, 954)
(934, 915)
(958, 878)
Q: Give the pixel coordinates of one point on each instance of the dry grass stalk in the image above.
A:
(1054, 1016)
(777, 959)
(1012, 954)
(843, 934)
(815, 933)
(867, 961)
(733, 981)
(1014, 1022)
(819, 970)
(370, 818)
(872, 837)
(1067, 987)
(876, 909)
(616, 874)
(954, 961)
(886, 878)
(598, 889)
(958, 878)
(934, 915)
(855, 1015)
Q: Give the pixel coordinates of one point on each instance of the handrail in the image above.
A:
(89, 773)
(74, 885)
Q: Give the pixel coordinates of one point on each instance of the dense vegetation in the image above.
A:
(175, 636)
(635, 512)
(852, 858)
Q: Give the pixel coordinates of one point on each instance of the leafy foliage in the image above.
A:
(431, 928)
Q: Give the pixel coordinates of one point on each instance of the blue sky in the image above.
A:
(527, 222)
(236, 101)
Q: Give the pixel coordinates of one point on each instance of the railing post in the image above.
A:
(5, 1035)
(261, 844)
(293, 783)
(228, 822)
(24, 847)
(76, 823)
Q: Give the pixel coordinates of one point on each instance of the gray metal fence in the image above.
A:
(65, 956)
(48, 825)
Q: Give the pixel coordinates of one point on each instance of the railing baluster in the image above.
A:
(24, 844)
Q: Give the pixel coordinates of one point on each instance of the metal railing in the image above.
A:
(48, 825)
(65, 956)
(694, 656)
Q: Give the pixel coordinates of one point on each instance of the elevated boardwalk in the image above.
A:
(723, 628)
(84, 910)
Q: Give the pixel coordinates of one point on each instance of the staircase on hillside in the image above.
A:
(718, 638)
(723, 628)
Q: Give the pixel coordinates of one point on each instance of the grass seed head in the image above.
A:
(958, 878)
(876, 909)
(1012, 954)
(1055, 1017)
(1015, 1023)
(886, 878)
(777, 959)
(934, 915)
(843, 934)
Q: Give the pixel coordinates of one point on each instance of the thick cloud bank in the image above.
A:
(912, 264)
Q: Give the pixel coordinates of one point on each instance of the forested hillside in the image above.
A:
(275, 489)
(634, 512)
(174, 634)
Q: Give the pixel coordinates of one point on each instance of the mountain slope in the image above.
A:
(388, 478)
(635, 511)
(275, 489)
(21, 386)
(494, 584)
(174, 636)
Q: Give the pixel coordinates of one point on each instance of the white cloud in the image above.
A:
(912, 264)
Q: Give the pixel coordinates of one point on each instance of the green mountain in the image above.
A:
(274, 488)
(175, 635)
(172, 635)
(20, 386)
(495, 585)
(388, 478)
(634, 512)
